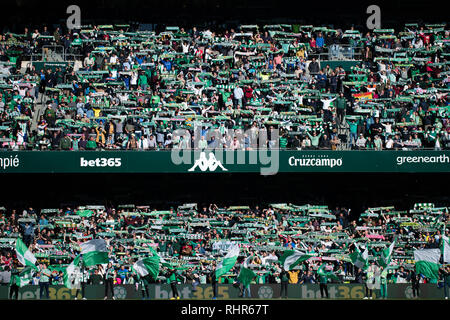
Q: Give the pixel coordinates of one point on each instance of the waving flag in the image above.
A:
(24, 255)
(70, 271)
(329, 274)
(360, 260)
(291, 258)
(427, 262)
(246, 274)
(149, 265)
(25, 277)
(94, 252)
(386, 256)
(228, 261)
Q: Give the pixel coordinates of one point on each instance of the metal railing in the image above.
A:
(339, 52)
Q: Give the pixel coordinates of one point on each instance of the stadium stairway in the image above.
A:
(39, 110)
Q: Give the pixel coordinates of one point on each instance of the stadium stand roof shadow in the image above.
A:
(351, 190)
(28, 13)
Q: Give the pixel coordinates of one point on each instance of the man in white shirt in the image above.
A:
(235, 145)
(238, 94)
(361, 141)
(389, 143)
(143, 143)
(88, 62)
(202, 144)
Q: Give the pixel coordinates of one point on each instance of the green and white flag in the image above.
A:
(70, 271)
(228, 261)
(329, 274)
(427, 262)
(446, 249)
(246, 274)
(291, 258)
(386, 256)
(360, 260)
(94, 252)
(148, 265)
(24, 255)
(25, 277)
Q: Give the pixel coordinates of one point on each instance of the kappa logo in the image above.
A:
(409, 292)
(205, 164)
(120, 292)
(265, 292)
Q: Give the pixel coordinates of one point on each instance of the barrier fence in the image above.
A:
(262, 161)
(228, 291)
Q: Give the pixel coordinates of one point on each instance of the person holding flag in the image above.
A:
(415, 283)
(173, 279)
(83, 278)
(225, 265)
(14, 281)
(214, 281)
(446, 279)
(246, 276)
(323, 282)
(145, 268)
(144, 281)
(323, 279)
(284, 277)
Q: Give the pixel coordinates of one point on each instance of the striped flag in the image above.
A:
(228, 261)
(24, 255)
(329, 274)
(70, 271)
(360, 260)
(427, 262)
(94, 252)
(246, 274)
(386, 256)
(25, 277)
(291, 258)
(147, 266)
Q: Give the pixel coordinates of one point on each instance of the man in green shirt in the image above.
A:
(323, 280)
(173, 279)
(341, 105)
(65, 143)
(314, 139)
(91, 144)
(143, 81)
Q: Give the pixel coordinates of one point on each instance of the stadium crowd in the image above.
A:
(119, 88)
(192, 240)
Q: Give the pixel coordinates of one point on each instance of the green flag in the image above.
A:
(291, 258)
(228, 261)
(70, 272)
(427, 262)
(246, 275)
(24, 278)
(24, 255)
(94, 252)
(386, 255)
(360, 260)
(147, 266)
(329, 274)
